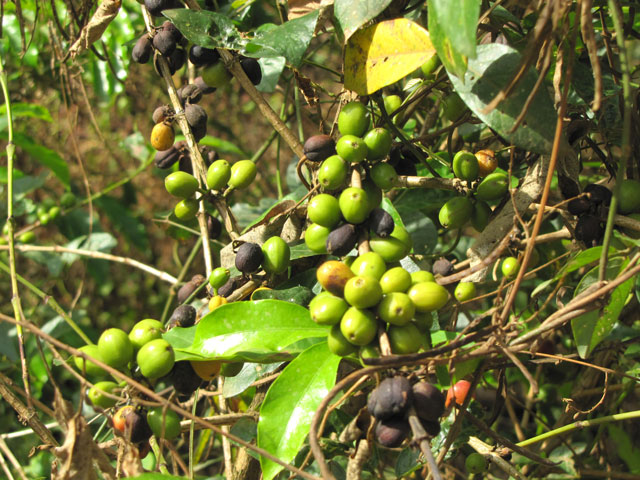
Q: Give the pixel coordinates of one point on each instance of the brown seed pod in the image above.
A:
(188, 288)
(189, 93)
(162, 136)
(319, 147)
(443, 267)
(428, 401)
(142, 50)
(342, 240)
(392, 398)
(183, 316)
(162, 113)
(196, 117)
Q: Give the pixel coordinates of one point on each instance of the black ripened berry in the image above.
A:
(249, 257)
(214, 227)
(191, 286)
(229, 287)
(167, 26)
(162, 113)
(176, 60)
(156, 7)
(251, 68)
(201, 56)
(342, 240)
(392, 398)
(196, 117)
(166, 158)
(136, 426)
(189, 93)
(381, 222)
(142, 50)
(579, 205)
(203, 87)
(428, 401)
(392, 432)
(183, 316)
(184, 378)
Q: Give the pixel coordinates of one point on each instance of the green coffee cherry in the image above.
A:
(428, 296)
(89, 367)
(218, 277)
(97, 395)
(465, 166)
(354, 205)
(353, 119)
(455, 213)
(370, 264)
(144, 331)
(493, 187)
(181, 184)
(383, 175)
(422, 276)
(396, 279)
(378, 141)
(327, 309)
(218, 175)
(404, 339)
(465, 291)
(116, 350)
(332, 173)
(396, 308)
(510, 267)
(186, 209)
(358, 326)
(480, 215)
(164, 423)
(475, 463)
(315, 238)
(277, 255)
(338, 344)
(243, 173)
(324, 210)
(216, 75)
(391, 103)
(362, 291)
(156, 359)
(352, 149)
(394, 247)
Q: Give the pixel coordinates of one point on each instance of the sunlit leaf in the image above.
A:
(205, 28)
(292, 399)
(352, 17)
(384, 53)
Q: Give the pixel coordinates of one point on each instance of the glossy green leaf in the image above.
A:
(4, 174)
(289, 40)
(593, 327)
(452, 25)
(260, 331)
(299, 295)
(487, 74)
(223, 147)
(424, 234)
(583, 259)
(388, 207)
(20, 110)
(351, 18)
(205, 28)
(182, 338)
(292, 399)
(41, 154)
(99, 241)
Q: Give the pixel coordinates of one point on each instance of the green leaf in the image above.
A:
(388, 207)
(124, 221)
(99, 241)
(492, 70)
(422, 230)
(289, 40)
(591, 328)
(625, 448)
(384, 53)
(260, 331)
(452, 25)
(351, 18)
(299, 295)
(19, 110)
(292, 399)
(4, 174)
(205, 28)
(45, 156)
(271, 70)
(182, 338)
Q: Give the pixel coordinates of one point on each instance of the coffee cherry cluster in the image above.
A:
(360, 299)
(486, 185)
(274, 257)
(390, 402)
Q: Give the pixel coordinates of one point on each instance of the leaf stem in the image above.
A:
(579, 425)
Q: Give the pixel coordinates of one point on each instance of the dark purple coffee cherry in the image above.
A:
(432, 428)
(136, 426)
(201, 56)
(392, 398)
(428, 401)
(191, 286)
(251, 68)
(184, 378)
(162, 113)
(381, 223)
(183, 316)
(142, 50)
(196, 117)
(156, 7)
(164, 43)
(342, 240)
(249, 257)
(392, 432)
(579, 205)
(319, 147)
(167, 26)
(189, 93)
(176, 60)
(214, 226)
(229, 287)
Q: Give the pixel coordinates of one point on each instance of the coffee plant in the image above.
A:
(339, 239)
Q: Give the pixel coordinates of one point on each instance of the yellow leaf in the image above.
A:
(384, 53)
